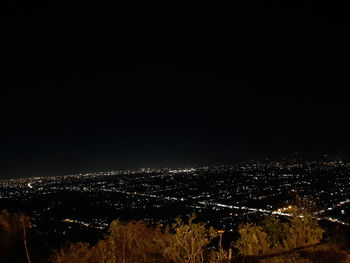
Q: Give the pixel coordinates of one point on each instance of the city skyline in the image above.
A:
(232, 192)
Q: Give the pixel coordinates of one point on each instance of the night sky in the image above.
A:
(91, 86)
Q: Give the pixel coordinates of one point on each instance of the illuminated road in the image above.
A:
(258, 210)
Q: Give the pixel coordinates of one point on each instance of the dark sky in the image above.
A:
(89, 86)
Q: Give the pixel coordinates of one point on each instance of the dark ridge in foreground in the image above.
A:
(299, 238)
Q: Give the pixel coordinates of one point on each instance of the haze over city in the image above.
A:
(109, 88)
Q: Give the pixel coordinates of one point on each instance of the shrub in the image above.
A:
(253, 240)
(75, 253)
(272, 236)
(125, 243)
(131, 242)
(302, 230)
(189, 242)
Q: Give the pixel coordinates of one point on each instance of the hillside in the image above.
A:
(299, 238)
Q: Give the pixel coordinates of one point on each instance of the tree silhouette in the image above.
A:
(13, 236)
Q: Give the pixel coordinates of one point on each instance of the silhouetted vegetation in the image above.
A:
(299, 238)
(273, 236)
(13, 236)
(137, 242)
